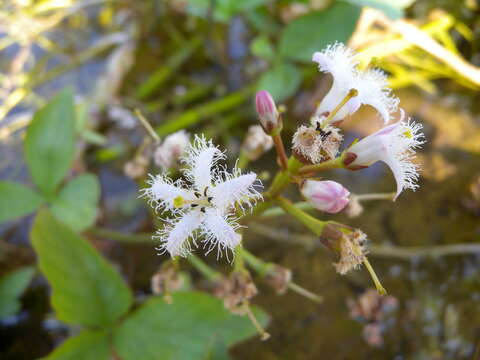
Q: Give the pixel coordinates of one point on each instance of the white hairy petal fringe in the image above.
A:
(220, 232)
(177, 237)
(163, 190)
(235, 188)
(201, 156)
(372, 85)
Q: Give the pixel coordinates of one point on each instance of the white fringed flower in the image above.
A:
(339, 61)
(168, 154)
(205, 208)
(394, 145)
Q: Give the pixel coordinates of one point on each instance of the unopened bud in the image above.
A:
(235, 291)
(136, 168)
(278, 277)
(267, 112)
(328, 196)
(166, 280)
(256, 143)
(354, 208)
(168, 154)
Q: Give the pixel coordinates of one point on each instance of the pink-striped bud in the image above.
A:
(267, 111)
(328, 196)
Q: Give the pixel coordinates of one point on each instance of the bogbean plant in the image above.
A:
(209, 208)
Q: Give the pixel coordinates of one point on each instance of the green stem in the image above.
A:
(277, 211)
(243, 160)
(283, 178)
(239, 265)
(260, 266)
(167, 69)
(315, 225)
(336, 163)
(381, 290)
(121, 237)
(204, 111)
(203, 268)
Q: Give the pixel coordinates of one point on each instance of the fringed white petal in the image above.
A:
(163, 191)
(201, 156)
(220, 232)
(394, 145)
(177, 237)
(373, 90)
(235, 189)
(371, 85)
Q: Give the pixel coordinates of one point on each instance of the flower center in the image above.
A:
(408, 134)
(202, 200)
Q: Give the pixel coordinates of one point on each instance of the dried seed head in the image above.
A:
(312, 146)
(352, 251)
(236, 290)
(166, 280)
(256, 142)
(278, 277)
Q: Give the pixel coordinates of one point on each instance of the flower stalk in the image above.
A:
(147, 125)
(315, 225)
(336, 163)
(264, 268)
(203, 268)
(282, 156)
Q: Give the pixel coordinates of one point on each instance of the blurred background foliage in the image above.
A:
(195, 65)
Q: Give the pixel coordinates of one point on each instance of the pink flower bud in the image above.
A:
(267, 111)
(327, 196)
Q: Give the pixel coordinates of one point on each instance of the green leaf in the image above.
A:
(12, 286)
(17, 200)
(216, 350)
(281, 81)
(76, 203)
(86, 289)
(224, 9)
(50, 142)
(262, 47)
(183, 330)
(392, 8)
(86, 345)
(314, 31)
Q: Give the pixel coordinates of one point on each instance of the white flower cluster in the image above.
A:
(205, 208)
(394, 144)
